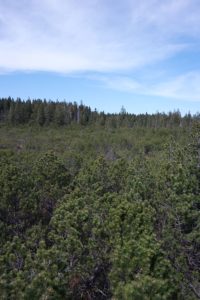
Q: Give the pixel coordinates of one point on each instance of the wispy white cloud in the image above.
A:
(182, 87)
(93, 35)
(119, 83)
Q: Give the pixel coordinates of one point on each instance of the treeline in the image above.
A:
(44, 113)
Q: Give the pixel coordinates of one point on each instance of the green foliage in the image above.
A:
(102, 211)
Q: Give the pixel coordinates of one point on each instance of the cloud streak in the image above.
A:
(184, 87)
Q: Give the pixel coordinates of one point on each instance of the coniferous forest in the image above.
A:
(96, 205)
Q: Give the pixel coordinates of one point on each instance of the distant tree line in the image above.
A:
(44, 113)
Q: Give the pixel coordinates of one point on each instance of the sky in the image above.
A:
(143, 55)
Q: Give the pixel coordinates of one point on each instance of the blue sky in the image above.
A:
(144, 54)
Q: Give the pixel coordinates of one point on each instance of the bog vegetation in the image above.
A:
(98, 206)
